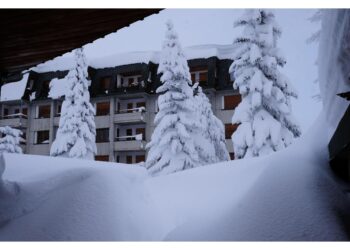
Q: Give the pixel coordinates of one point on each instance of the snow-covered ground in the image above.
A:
(289, 195)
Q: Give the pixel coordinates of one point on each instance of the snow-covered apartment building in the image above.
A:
(123, 91)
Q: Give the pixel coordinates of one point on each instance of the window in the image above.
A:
(117, 158)
(102, 135)
(31, 84)
(141, 104)
(6, 112)
(141, 131)
(199, 74)
(42, 137)
(16, 111)
(58, 109)
(44, 111)
(129, 133)
(231, 101)
(117, 132)
(129, 159)
(105, 83)
(45, 88)
(23, 138)
(130, 79)
(118, 107)
(25, 111)
(102, 108)
(140, 158)
(229, 129)
(101, 158)
(232, 156)
(130, 107)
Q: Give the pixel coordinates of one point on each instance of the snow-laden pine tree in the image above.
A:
(10, 140)
(172, 147)
(76, 133)
(211, 138)
(264, 115)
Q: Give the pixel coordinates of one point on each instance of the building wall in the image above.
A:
(218, 86)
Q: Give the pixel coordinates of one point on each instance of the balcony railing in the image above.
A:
(138, 109)
(137, 137)
(129, 143)
(130, 115)
(17, 115)
(14, 120)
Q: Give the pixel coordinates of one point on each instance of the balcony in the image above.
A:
(130, 116)
(102, 148)
(56, 121)
(229, 145)
(225, 115)
(15, 120)
(129, 143)
(39, 149)
(102, 121)
(41, 124)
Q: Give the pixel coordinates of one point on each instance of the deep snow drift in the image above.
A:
(66, 199)
(288, 195)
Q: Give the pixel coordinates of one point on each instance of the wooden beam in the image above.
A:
(33, 36)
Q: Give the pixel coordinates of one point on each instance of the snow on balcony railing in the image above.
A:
(137, 137)
(44, 142)
(16, 115)
(138, 109)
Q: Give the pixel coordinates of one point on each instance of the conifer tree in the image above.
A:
(172, 147)
(77, 131)
(10, 140)
(264, 115)
(212, 136)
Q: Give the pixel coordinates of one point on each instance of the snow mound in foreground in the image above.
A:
(288, 195)
(65, 199)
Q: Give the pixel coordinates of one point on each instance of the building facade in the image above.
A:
(125, 101)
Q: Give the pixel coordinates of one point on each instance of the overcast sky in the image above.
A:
(215, 26)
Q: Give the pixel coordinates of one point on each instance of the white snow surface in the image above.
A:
(66, 62)
(334, 63)
(288, 195)
(14, 90)
(58, 88)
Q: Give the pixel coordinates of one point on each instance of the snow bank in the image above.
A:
(334, 63)
(66, 62)
(67, 199)
(288, 195)
(14, 90)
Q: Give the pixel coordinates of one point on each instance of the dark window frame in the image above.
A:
(102, 135)
(41, 136)
(100, 111)
(43, 116)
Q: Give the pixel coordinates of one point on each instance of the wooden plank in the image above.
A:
(36, 35)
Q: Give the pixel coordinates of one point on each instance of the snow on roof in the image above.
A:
(57, 88)
(66, 62)
(14, 90)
